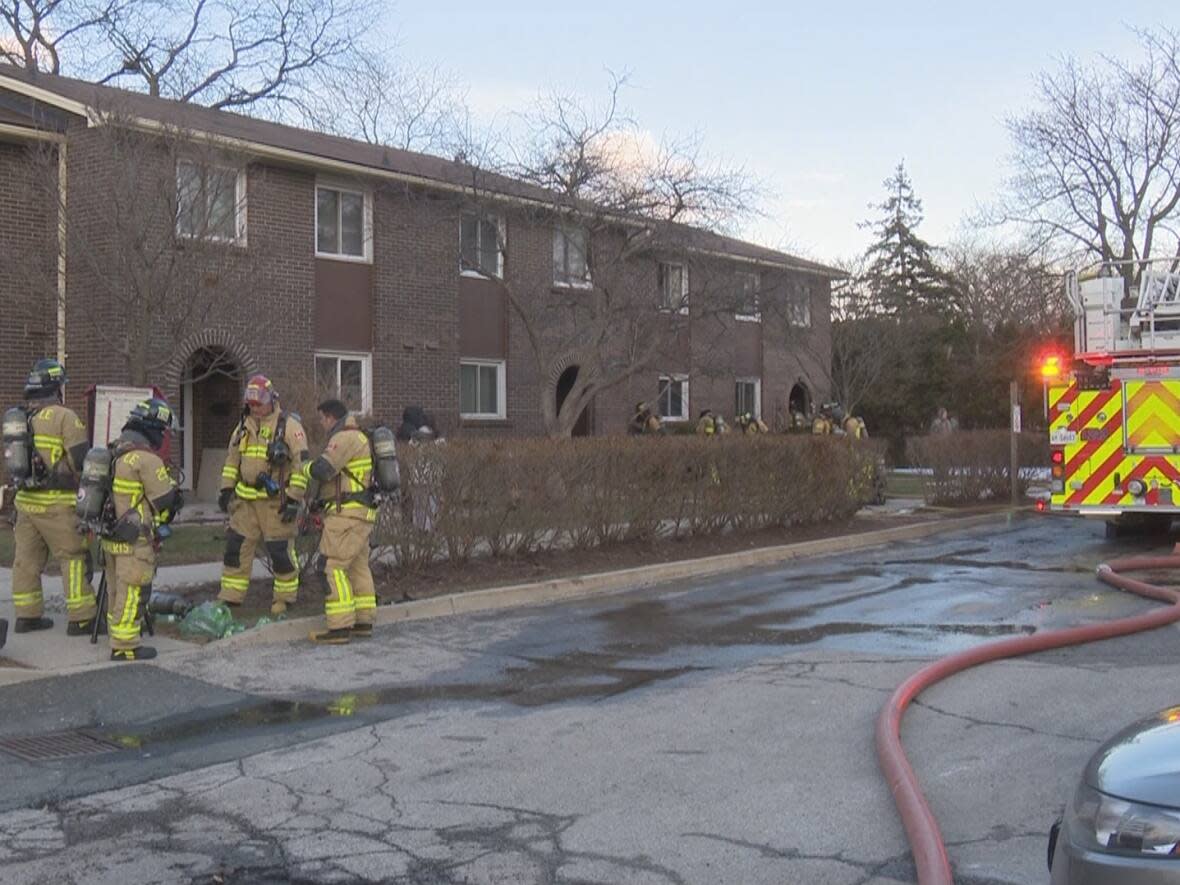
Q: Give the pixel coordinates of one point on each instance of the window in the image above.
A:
(748, 308)
(210, 202)
(571, 265)
(799, 306)
(673, 398)
(342, 224)
(673, 282)
(347, 376)
(480, 237)
(481, 389)
(747, 396)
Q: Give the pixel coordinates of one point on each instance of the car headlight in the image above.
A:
(1104, 823)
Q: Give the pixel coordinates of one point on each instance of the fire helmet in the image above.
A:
(259, 391)
(151, 417)
(44, 379)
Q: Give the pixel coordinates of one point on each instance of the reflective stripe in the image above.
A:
(126, 627)
(46, 498)
(365, 602)
(229, 472)
(248, 493)
(298, 481)
(286, 584)
(253, 452)
(29, 598)
(55, 445)
(233, 582)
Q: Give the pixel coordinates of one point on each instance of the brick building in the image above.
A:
(329, 263)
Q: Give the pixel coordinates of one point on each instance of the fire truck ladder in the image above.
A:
(1159, 300)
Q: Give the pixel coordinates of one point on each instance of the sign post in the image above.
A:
(1014, 466)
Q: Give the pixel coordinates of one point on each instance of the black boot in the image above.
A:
(29, 625)
(143, 653)
(82, 628)
(3, 632)
(362, 631)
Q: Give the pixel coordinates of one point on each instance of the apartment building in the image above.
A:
(145, 241)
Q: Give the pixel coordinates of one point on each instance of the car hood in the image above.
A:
(1142, 762)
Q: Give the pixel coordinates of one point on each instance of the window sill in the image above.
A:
(483, 419)
(589, 284)
(469, 421)
(184, 239)
(674, 419)
(480, 275)
(349, 259)
(748, 318)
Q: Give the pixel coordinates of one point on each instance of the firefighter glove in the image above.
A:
(223, 500)
(289, 510)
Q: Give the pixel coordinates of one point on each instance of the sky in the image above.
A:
(819, 101)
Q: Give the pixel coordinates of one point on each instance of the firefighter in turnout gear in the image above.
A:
(144, 497)
(262, 486)
(342, 487)
(45, 523)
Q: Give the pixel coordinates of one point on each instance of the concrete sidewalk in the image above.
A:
(49, 652)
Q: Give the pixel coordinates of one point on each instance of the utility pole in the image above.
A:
(1014, 466)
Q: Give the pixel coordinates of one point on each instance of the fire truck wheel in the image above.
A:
(1138, 524)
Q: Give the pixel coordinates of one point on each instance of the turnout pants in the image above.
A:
(249, 523)
(37, 536)
(130, 569)
(343, 569)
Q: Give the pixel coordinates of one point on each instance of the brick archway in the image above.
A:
(207, 338)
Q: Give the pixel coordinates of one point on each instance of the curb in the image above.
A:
(605, 583)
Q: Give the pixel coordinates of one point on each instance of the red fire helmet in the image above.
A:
(260, 391)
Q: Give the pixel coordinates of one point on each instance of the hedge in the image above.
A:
(974, 465)
(518, 497)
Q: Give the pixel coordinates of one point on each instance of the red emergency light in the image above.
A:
(1057, 456)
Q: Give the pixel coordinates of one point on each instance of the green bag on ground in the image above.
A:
(209, 620)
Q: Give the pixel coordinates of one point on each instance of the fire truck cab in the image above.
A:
(1114, 411)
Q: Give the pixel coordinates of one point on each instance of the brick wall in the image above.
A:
(28, 266)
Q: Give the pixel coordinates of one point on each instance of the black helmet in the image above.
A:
(151, 417)
(45, 379)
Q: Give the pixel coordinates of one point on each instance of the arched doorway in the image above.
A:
(210, 395)
(564, 385)
(799, 401)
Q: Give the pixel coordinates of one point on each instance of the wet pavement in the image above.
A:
(718, 731)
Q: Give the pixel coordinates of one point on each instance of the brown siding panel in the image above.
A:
(483, 320)
(343, 305)
(747, 350)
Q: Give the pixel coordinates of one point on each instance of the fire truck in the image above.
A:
(1114, 410)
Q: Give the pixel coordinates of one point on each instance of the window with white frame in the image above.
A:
(747, 397)
(210, 202)
(348, 376)
(673, 283)
(748, 307)
(482, 391)
(342, 223)
(673, 397)
(571, 256)
(480, 245)
(799, 306)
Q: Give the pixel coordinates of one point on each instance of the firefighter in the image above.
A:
(706, 423)
(45, 523)
(854, 428)
(643, 422)
(750, 425)
(341, 487)
(262, 486)
(145, 498)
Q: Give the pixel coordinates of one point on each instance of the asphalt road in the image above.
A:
(711, 732)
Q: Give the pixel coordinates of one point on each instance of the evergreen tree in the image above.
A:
(901, 277)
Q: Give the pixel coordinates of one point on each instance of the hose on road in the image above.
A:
(921, 828)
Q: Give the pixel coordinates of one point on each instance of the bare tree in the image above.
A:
(1001, 286)
(36, 33)
(619, 204)
(157, 246)
(1097, 162)
(380, 102)
(266, 55)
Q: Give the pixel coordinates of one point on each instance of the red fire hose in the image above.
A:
(921, 828)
